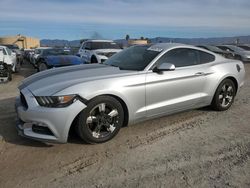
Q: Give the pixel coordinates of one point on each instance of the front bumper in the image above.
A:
(101, 58)
(45, 124)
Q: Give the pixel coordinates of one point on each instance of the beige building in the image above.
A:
(21, 41)
(132, 42)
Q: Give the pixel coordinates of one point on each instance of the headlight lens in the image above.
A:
(55, 101)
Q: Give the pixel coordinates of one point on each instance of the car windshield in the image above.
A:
(104, 45)
(56, 52)
(235, 48)
(8, 51)
(134, 58)
(214, 48)
(38, 51)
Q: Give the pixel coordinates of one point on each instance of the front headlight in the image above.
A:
(101, 53)
(55, 101)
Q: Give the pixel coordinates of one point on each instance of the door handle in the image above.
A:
(200, 73)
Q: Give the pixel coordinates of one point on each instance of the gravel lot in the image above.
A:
(198, 148)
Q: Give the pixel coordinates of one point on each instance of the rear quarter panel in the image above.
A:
(220, 70)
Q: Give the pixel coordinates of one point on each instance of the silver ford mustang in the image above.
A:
(136, 84)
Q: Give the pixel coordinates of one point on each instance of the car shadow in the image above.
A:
(8, 130)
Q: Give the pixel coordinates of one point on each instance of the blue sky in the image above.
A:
(113, 19)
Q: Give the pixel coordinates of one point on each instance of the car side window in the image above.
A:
(180, 57)
(206, 57)
(88, 46)
(83, 46)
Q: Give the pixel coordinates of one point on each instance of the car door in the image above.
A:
(81, 50)
(177, 90)
(86, 52)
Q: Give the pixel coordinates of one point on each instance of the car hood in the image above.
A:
(50, 82)
(107, 50)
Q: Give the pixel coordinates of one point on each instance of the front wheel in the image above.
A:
(9, 75)
(93, 59)
(42, 67)
(224, 95)
(101, 120)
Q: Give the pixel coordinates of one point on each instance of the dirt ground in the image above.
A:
(198, 148)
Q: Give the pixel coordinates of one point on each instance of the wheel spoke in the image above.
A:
(229, 89)
(113, 113)
(102, 107)
(91, 119)
(95, 134)
(96, 131)
(111, 128)
(223, 88)
(229, 98)
(224, 102)
(220, 96)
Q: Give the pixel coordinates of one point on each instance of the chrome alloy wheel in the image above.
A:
(226, 95)
(102, 120)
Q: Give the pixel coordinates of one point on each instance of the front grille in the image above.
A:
(41, 130)
(23, 100)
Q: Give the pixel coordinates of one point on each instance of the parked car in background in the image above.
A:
(51, 58)
(5, 69)
(35, 55)
(97, 51)
(10, 59)
(138, 83)
(27, 53)
(239, 53)
(15, 50)
(217, 50)
(245, 46)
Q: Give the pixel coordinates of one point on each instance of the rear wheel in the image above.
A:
(101, 120)
(224, 95)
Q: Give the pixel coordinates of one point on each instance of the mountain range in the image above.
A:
(193, 41)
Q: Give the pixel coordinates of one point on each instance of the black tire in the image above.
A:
(93, 59)
(42, 66)
(9, 75)
(103, 125)
(17, 67)
(224, 95)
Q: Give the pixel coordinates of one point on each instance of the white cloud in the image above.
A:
(189, 13)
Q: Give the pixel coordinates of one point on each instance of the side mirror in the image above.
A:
(164, 67)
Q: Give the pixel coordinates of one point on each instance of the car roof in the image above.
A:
(166, 46)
